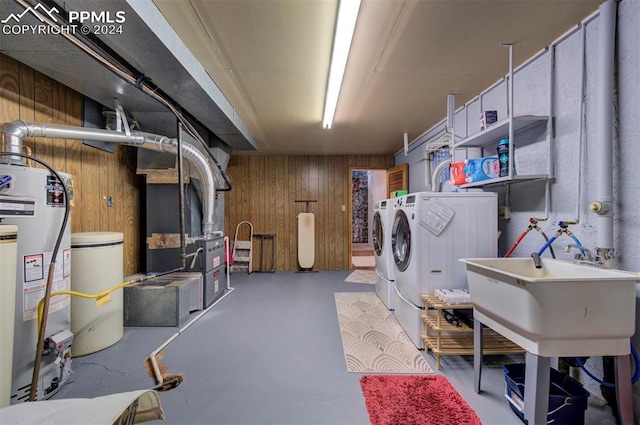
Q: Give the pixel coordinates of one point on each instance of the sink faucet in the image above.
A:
(586, 252)
(536, 260)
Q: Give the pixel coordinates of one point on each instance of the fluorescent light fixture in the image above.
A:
(345, 26)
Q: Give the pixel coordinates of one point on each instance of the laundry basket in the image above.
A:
(567, 397)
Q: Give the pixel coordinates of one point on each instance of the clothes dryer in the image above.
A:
(385, 269)
(431, 231)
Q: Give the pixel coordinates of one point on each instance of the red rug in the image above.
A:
(415, 399)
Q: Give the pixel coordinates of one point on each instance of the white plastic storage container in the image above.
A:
(96, 266)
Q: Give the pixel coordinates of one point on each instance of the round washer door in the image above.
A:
(401, 241)
(378, 234)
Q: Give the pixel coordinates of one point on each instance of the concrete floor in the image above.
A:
(271, 353)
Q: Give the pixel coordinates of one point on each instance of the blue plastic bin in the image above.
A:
(567, 397)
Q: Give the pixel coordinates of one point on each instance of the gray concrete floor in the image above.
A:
(271, 353)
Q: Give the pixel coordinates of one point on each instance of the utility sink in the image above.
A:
(561, 309)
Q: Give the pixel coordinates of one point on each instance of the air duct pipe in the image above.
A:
(437, 172)
(603, 205)
(13, 133)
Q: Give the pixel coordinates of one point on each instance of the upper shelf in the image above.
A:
(499, 130)
(505, 180)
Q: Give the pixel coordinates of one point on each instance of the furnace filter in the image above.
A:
(96, 266)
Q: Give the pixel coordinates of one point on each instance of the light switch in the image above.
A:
(344, 208)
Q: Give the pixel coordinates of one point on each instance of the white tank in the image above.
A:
(33, 201)
(8, 261)
(97, 265)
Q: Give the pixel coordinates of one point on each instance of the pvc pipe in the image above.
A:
(604, 116)
(511, 112)
(451, 113)
(13, 133)
(550, 127)
(582, 122)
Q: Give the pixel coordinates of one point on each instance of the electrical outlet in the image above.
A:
(505, 212)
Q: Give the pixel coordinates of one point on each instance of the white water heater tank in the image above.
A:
(96, 266)
(33, 200)
(8, 261)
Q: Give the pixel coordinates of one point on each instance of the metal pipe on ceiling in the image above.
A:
(13, 133)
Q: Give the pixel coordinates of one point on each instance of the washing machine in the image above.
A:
(381, 232)
(431, 231)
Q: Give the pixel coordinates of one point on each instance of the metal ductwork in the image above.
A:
(148, 45)
(13, 133)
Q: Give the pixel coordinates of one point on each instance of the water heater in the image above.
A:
(33, 200)
(8, 256)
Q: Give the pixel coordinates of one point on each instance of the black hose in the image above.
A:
(192, 131)
(42, 326)
(544, 235)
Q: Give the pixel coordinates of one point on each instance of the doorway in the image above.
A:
(367, 187)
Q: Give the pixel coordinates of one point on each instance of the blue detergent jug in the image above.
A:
(479, 169)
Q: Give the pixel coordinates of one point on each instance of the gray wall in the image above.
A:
(560, 142)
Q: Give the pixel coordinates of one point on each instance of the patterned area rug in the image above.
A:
(363, 276)
(415, 400)
(372, 339)
(368, 262)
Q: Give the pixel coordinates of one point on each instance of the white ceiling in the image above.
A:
(270, 58)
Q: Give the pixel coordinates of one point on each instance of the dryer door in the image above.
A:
(401, 240)
(378, 233)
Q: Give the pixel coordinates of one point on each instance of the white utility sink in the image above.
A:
(561, 309)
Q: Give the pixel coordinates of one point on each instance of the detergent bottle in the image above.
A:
(503, 155)
(457, 173)
(479, 169)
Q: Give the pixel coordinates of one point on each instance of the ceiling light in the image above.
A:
(345, 26)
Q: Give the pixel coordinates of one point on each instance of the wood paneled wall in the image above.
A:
(31, 96)
(264, 191)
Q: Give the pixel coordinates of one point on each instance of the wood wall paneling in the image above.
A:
(43, 113)
(28, 95)
(281, 201)
(9, 89)
(265, 188)
(74, 158)
(27, 99)
(292, 207)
